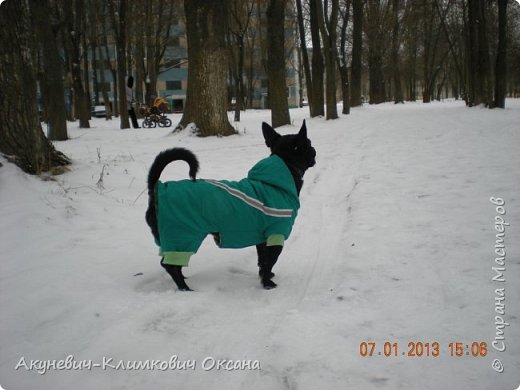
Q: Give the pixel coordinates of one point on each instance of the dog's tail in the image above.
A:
(160, 162)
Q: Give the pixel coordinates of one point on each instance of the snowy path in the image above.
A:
(394, 242)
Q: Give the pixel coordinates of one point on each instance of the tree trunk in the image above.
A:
(240, 17)
(104, 92)
(411, 47)
(377, 77)
(86, 70)
(148, 52)
(237, 70)
(345, 89)
(342, 60)
(21, 136)
(431, 37)
(108, 64)
(328, 32)
(501, 65)
(276, 70)
(357, 47)
(139, 52)
(95, 71)
(250, 70)
(304, 54)
(478, 66)
(451, 45)
(119, 27)
(73, 41)
(102, 63)
(398, 91)
(206, 97)
(239, 82)
(317, 107)
(52, 70)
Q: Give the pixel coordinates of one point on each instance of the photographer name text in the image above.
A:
(70, 363)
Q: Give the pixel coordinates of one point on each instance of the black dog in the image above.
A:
(259, 210)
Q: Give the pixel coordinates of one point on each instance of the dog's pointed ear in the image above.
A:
(270, 135)
(303, 131)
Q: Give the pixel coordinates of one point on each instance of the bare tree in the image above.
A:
(239, 24)
(456, 51)
(357, 48)
(307, 18)
(410, 41)
(107, 62)
(97, 9)
(158, 17)
(327, 25)
(501, 64)
(276, 63)
(480, 90)
(52, 72)
(304, 53)
(434, 53)
(253, 39)
(318, 70)
(21, 137)
(72, 31)
(377, 12)
(206, 98)
(342, 58)
(119, 27)
(396, 67)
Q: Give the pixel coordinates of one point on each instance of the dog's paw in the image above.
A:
(271, 274)
(268, 284)
(182, 286)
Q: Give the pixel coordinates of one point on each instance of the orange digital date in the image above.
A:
(420, 349)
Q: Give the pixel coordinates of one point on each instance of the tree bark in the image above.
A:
(206, 97)
(304, 54)
(102, 62)
(501, 64)
(357, 47)
(73, 41)
(108, 63)
(398, 91)
(451, 45)
(375, 31)
(432, 48)
(327, 28)
(317, 107)
(478, 66)
(240, 17)
(119, 27)
(52, 70)
(21, 136)
(410, 40)
(342, 60)
(239, 79)
(276, 69)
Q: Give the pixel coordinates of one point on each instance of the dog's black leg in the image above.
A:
(267, 258)
(175, 271)
(261, 250)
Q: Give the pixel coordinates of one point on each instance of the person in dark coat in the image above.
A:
(130, 100)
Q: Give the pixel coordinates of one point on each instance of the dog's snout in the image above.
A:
(312, 160)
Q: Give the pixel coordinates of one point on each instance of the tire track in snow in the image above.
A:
(329, 210)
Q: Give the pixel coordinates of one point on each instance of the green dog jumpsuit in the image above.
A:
(260, 208)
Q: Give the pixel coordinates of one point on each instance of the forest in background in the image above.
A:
(353, 51)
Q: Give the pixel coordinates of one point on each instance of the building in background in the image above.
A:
(173, 71)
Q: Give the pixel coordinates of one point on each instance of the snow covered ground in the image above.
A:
(394, 243)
